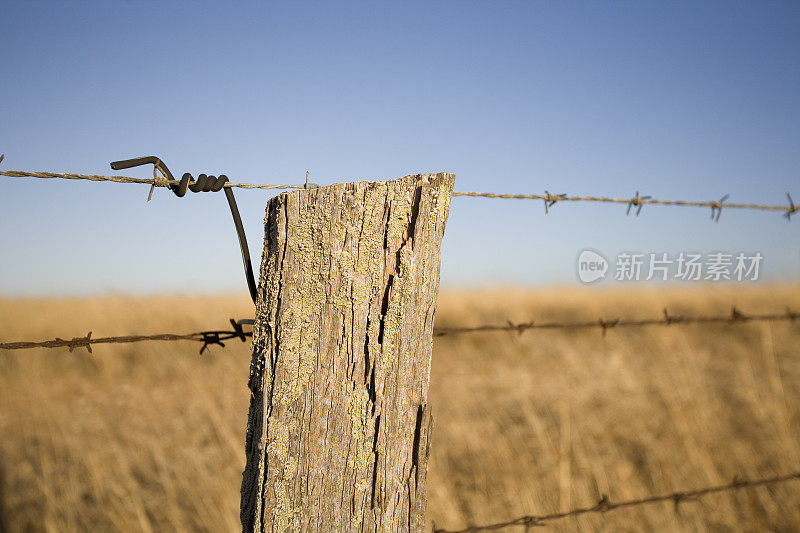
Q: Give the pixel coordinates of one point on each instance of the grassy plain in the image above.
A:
(150, 436)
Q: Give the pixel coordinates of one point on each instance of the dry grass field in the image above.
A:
(150, 436)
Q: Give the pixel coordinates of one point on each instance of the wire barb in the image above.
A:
(78, 342)
(603, 504)
(637, 201)
(551, 199)
(738, 316)
(671, 319)
(716, 207)
(159, 180)
(792, 209)
(606, 324)
(209, 338)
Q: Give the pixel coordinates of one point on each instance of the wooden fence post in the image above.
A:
(339, 427)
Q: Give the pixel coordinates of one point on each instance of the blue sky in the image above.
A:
(678, 100)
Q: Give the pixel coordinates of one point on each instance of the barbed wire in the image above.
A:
(605, 505)
(206, 337)
(549, 199)
(639, 201)
(161, 182)
(217, 336)
(734, 317)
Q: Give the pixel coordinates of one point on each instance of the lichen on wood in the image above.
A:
(339, 427)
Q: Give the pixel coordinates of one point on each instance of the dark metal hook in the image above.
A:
(239, 331)
(204, 183)
(139, 161)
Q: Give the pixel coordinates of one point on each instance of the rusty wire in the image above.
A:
(206, 337)
(605, 504)
(735, 317)
(639, 201)
(216, 336)
(549, 199)
(153, 182)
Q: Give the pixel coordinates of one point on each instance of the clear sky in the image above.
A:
(678, 100)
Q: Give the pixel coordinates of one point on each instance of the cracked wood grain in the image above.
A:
(338, 433)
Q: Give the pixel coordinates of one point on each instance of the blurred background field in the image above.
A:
(150, 436)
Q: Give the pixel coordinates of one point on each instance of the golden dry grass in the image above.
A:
(150, 436)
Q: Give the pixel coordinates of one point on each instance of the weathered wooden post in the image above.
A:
(339, 427)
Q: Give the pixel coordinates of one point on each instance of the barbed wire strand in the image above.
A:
(206, 337)
(216, 336)
(549, 199)
(640, 201)
(605, 504)
(735, 317)
(160, 182)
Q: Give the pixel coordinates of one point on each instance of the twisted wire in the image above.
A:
(629, 201)
(206, 337)
(605, 505)
(735, 317)
(210, 337)
(156, 182)
(549, 199)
